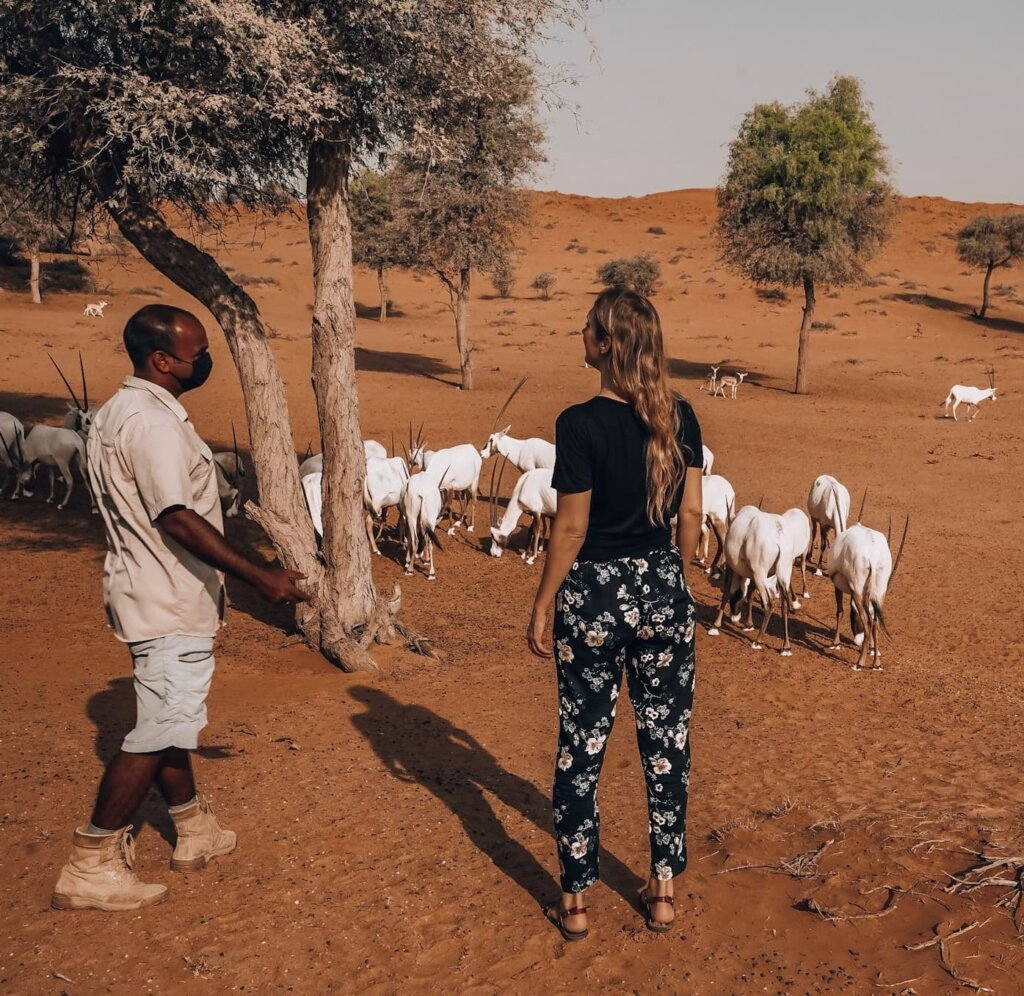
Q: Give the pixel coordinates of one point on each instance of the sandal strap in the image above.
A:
(562, 914)
(650, 900)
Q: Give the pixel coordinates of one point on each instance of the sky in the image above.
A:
(663, 85)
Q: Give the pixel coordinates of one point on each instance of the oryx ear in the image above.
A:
(495, 534)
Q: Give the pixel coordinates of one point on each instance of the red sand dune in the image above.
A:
(394, 830)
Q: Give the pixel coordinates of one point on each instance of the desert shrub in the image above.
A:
(254, 280)
(503, 278)
(772, 294)
(1004, 290)
(543, 282)
(655, 230)
(639, 273)
(273, 259)
(147, 292)
(842, 314)
(823, 326)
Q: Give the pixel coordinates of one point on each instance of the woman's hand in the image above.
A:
(538, 633)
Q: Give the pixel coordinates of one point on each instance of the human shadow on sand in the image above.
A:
(419, 746)
(112, 711)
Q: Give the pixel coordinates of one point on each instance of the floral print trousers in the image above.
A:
(635, 612)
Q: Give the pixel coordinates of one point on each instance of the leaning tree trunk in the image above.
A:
(461, 296)
(34, 278)
(805, 337)
(282, 510)
(352, 613)
(984, 293)
(383, 288)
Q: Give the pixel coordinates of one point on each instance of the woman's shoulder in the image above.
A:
(579, 413)
(686, 411)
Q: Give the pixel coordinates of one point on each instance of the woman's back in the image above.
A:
(601, 447)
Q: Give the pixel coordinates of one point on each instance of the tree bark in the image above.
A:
(383, 288)
(461, 295)
(805, 337)
(984, 294)
(282, 510)
(34, 278)
(352, 615)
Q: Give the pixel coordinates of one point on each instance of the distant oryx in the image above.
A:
(79, 417)
(533, 495)
(12, 439)
(57, 449)
(970, 396)
(230, 469)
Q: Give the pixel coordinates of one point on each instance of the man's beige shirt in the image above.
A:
(145, 457)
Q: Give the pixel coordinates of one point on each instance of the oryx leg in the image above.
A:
(862, 614)
(431, 575)
(705, 542)
(956, 404)
(726, 594)
(69, 480)
(977, 408)
(875, 652)
(716, 563)
(474, 493)
(769, 608)
(803, 575)
(786, 596)
(839, 621)
(369, 534)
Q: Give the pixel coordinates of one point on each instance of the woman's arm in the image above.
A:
(691, 512)
(567, 535)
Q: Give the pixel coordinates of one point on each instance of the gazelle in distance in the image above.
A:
(729, 382)
(80, 416)
(710, 382)
(94, 310)
(533, 495)
(828, 504)
(756, 547)
(960, 394)
(860, 565)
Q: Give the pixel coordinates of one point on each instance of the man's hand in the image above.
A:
(538, 633)
(277, 586)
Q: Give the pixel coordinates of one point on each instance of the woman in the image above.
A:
(626, 462)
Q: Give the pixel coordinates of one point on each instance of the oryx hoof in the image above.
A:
(49, 501)
(713, 631)
(796, 606)
(451, 531)
(819, 573)
(531, 560)
(470, 529)
(785, 653)
(747, 629)
(835, 646)
(754, 645)
(806, 594)
(431, 577)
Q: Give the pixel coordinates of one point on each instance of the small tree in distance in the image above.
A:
(503, 277)
(807, 198)
(990, 243)
(639, 273)
(376, 239)
(543, 282)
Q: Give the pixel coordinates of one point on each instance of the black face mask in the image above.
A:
(202, 365)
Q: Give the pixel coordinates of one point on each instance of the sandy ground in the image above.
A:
(395, 829)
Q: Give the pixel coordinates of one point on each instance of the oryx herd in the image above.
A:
(62, 449)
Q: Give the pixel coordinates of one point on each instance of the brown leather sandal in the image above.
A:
(647, 902)
(558, 916)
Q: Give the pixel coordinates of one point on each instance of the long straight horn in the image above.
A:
(410, 439)
(899, 554)
(508, 401)
(492, 500)
(419, 436)
(860, 514)
(74, 397)
(761, 502)
(888, 533)
(85, 386)
(501, 474)
(393, 444)
(234, 442)
(309, 450)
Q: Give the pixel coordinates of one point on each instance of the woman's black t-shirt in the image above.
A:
(600, 446)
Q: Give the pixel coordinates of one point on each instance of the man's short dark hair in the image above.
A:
(150, 329)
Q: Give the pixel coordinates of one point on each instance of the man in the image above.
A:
(155, 482)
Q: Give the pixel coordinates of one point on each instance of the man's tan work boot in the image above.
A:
(199, 836)
(100, 876)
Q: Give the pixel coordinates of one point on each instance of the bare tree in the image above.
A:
(806, 199)
(991, 243)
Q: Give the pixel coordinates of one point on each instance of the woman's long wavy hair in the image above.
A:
(638, 371)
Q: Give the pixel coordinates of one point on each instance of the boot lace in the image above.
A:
(128, 848)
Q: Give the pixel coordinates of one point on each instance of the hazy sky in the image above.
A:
(670, 81)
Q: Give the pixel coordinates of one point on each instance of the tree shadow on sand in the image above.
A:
(412, 364)
(112, 711)
(964, 311)
(420, 747)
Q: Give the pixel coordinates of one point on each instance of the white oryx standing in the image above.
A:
(422, 505)
(12, 440)
(55, 448)
(798, 535)
(709, 460)
(533, 495)
(828, 504)
(230, 469)
(94, 310)
(756, 547)
(719, 501)
(860, 565)
(80, 416)
(960, 394)
(383, 488)
(314, 463)
(526, 454)
(456, 471)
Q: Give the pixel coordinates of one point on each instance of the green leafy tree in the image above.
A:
(807, 197)
(376, 239)
(990, 243)
(639, 273)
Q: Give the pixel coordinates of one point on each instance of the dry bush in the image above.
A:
(543, 282)
(655, 230)
(255, 280)
(639, 273)
(147, 291)
(823, 326)
(772, 294)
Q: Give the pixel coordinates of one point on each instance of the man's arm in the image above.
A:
(195, 534)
